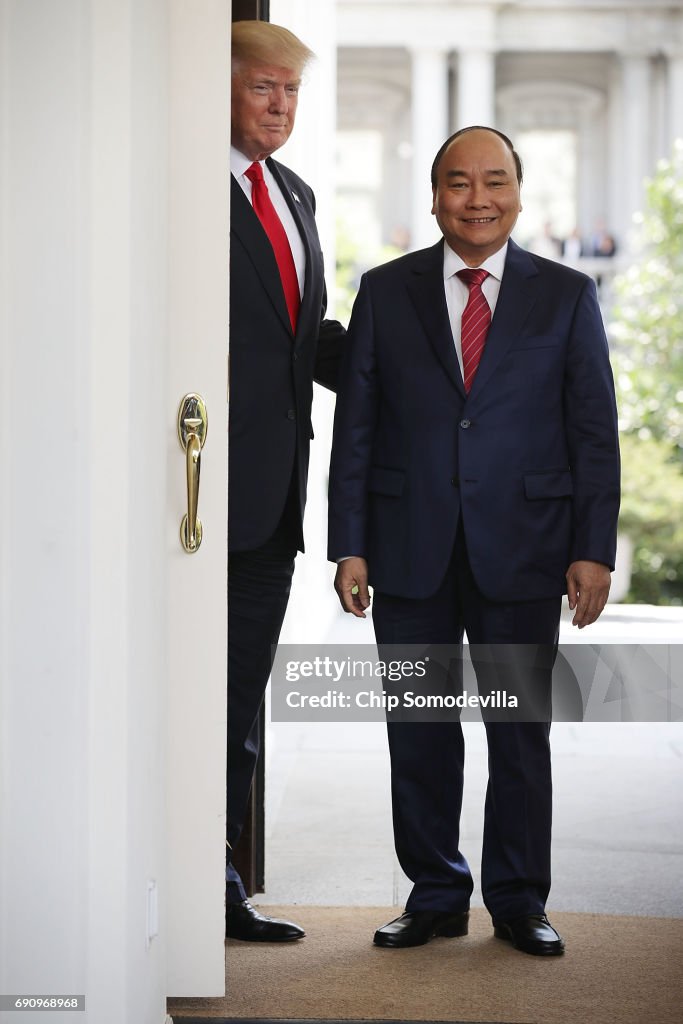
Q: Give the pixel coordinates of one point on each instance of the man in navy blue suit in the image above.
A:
(279, 344)
(475, 480)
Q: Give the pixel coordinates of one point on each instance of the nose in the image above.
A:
(478, 194)
(279, 101)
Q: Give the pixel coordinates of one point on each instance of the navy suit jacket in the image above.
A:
(529, 460)
(271, 370)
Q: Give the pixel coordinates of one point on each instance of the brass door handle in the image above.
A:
(192, 428)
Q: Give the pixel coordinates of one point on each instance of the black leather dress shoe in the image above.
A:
(532, 934)
(416, 927)
(242, 921)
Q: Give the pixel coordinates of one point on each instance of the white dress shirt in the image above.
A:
(457, 292)
(239, 164)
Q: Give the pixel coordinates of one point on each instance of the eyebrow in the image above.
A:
(499, 172)
(269, 80)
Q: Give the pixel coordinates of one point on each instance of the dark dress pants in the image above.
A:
(427, 758)
(259, 583)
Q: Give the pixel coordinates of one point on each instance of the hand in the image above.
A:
(352, 573)
(588, 586)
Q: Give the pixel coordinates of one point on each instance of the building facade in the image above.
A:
(590, 90)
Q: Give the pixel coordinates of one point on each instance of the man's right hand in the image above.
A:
(352, 574)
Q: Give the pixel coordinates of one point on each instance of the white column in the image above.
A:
(430, 130)
(617, 215)
(592, 189)
(675, 99)
(310, 150)
(476, 88)
(636, 137)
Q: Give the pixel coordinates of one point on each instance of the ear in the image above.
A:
(433, 200)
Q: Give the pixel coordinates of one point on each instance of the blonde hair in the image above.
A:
(260, 42)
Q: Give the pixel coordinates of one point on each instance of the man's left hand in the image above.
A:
(588, 586)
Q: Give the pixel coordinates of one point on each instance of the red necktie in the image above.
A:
(272, 225)
(476, 319)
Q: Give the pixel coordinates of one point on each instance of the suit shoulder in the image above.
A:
(406, 265)
(560, 272)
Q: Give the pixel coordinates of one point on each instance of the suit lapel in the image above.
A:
(515, 302)
(246, 225)
(426, 288)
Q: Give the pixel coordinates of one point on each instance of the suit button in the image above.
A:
(454, 481)
(465, 424)
(295, 356)
(291, 415)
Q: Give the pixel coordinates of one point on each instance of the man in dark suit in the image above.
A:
(474, 479)
(279, 343)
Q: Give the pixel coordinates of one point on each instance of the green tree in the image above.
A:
(651, 506)
(648, 321)
(647, 340)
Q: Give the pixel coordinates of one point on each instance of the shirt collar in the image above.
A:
(452, 263)
(239, 162)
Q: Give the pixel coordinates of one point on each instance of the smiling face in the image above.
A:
(264, 101)
(476, 199)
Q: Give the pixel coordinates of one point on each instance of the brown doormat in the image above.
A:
(616, 969)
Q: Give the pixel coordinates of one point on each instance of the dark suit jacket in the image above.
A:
(529, 459)
(272, 372)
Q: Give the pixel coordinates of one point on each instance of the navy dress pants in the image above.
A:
(427, 758)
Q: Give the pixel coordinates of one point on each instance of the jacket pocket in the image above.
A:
(386, 481)
(536, 341)
(552, 483)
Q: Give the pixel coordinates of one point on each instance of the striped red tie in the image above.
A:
(476, 319)
(272, 225)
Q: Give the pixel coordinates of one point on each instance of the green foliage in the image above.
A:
(647, 341)
(352, 262)
(647, 331)
(347, 276)
(651, 515)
